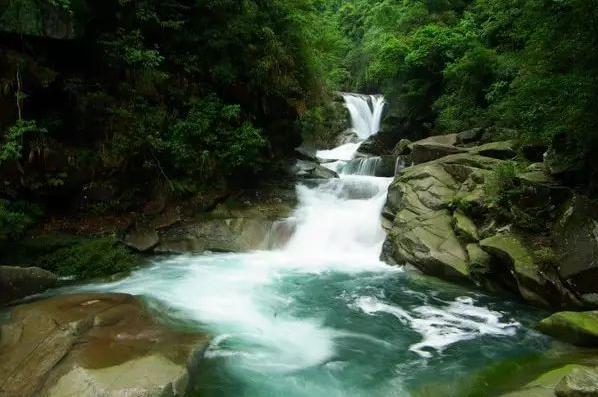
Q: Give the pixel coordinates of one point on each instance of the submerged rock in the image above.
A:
(544, 385)
(94, 345)
(19, 282)
(578, 328)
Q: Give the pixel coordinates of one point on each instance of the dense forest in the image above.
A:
(298, 198)
(107, 103)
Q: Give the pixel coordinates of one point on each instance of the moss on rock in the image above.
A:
(465, 227)
(578, 328)
(89, 258)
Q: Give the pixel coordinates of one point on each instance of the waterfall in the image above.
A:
(340, 218)
(366, 113)
(361, 166)
(319, 314)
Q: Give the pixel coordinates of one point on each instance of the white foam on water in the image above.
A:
(339, 220)
(441, 327)
(344, 152)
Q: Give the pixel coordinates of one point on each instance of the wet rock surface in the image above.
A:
(92, 345)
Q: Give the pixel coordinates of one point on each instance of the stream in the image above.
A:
(322, 316)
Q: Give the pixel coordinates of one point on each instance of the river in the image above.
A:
(322, 316)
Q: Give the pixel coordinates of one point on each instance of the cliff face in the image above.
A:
(479, 213)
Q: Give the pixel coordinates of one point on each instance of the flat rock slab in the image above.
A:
(71, 345)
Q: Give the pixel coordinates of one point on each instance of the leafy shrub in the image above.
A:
(214, 138)
(501, 185)
(545, 256)
(90, 258)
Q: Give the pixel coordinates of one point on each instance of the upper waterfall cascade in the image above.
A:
(340, 218)
(366, 113)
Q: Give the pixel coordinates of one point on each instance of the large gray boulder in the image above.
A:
(434, 147)
(576, 238)
(516, 258)
(19, 282)
(428, 242)
(95, 345)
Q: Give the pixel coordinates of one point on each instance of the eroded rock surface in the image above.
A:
(93, 345)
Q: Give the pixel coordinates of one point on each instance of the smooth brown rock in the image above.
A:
(68, 345)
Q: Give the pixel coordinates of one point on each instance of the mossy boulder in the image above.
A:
(469, 136)
(421, 188)
(514, 255)
(479, 262)
(578, 328)
(428, 242)
(402, 148)
(141, 239)
(433, 148)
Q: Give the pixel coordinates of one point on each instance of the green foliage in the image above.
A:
(16, 136)
(27, 16)
(16, 218)
(545, 256)
(214, 138)
(501, 185)
(182, 94)
(321, 125)
(457, 64)
(89, 258)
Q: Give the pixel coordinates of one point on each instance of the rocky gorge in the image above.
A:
(460, 207)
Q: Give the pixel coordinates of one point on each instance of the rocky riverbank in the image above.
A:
(480, 213)
(95, 345)
(474, 211)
